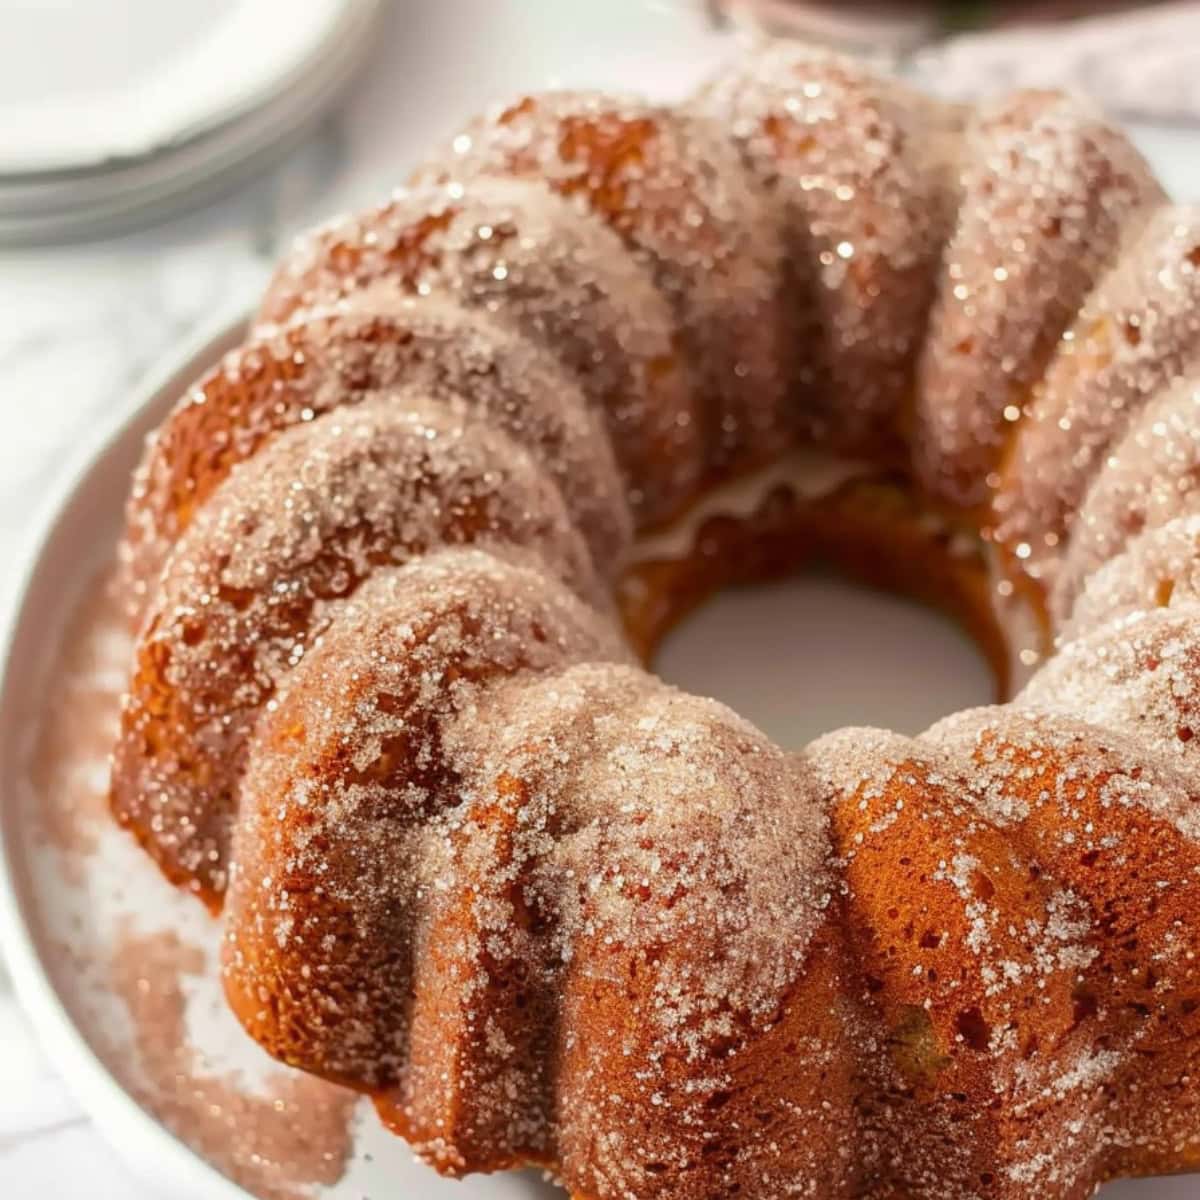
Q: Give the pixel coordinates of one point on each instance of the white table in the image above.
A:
(81, 324)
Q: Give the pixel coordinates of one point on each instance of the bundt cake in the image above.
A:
(396, 564)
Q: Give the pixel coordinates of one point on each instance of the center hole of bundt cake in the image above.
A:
(815, 652)
(825, 593)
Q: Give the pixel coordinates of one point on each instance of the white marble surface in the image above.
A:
(79, 325)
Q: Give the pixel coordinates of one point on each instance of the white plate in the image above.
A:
(61, 912)
(134, 78)
(152, 107)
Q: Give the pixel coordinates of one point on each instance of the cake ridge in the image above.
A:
(668, 183)
(267, 563)
(371, 342)
(1149, 481)
(1137, 332)
(520, 253)
(1037, 231)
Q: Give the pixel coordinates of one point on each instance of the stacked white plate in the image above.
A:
(148, 107)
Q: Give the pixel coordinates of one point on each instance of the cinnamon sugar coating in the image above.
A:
(261, 573)
(356, 769)
(1106, 1085)
(859, 172)
(973, 900)
(1049, 190)
(1139, 674)
(1138, 333)
(671, 185)
(1150, 478)
(1156, 569)
(546, 909)
(375, 341)
(579, 839)
(518, 252)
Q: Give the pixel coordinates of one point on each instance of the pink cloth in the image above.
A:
(1144, 64)
(1141, 63)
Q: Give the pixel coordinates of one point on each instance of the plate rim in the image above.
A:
(133, 1132)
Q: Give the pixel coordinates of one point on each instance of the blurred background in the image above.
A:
(155, 156)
